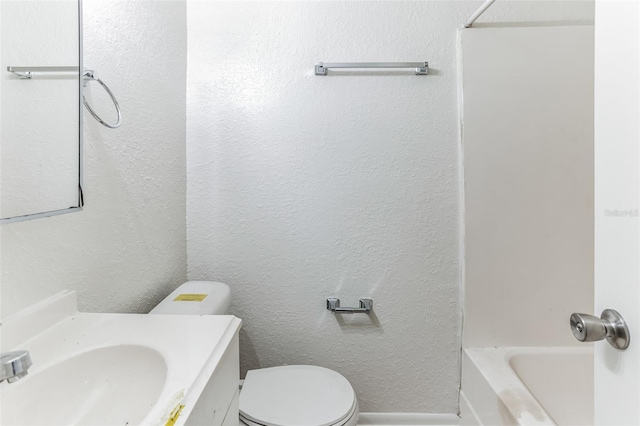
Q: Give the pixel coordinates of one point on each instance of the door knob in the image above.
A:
(610, 326)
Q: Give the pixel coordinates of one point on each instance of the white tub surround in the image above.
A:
(153, 367)
(528, 167)
(527, 386)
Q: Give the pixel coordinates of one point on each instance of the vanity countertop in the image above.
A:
(172, 356)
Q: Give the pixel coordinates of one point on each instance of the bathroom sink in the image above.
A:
(114, 369)
(88, 389)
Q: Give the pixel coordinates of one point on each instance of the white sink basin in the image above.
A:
(114, 369)
(88, 389)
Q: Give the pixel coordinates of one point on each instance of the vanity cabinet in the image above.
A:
(218, 403)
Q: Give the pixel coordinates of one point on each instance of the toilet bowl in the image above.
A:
(291, 395)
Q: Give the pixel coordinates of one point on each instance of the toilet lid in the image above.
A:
(300, 395)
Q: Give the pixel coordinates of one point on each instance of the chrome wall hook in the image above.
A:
(333, 304)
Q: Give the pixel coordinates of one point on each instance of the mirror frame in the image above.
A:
(80, 205)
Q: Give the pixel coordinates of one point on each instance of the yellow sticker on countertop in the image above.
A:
(187, 297)
(174, 415)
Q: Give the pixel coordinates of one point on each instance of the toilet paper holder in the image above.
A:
(333, 304)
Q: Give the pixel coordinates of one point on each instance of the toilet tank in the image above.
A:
(196, 298)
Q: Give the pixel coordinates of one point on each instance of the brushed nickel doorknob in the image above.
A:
(610, 326)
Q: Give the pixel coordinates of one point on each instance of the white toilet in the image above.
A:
(292, 395)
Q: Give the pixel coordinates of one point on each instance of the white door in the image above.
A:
(617, 201)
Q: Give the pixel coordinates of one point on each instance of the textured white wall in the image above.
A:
(528, 168)
(303, 187)
(127, 249)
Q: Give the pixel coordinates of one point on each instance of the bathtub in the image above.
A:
(527, 386)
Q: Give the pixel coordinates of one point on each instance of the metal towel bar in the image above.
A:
(421, 68)
(26, 73)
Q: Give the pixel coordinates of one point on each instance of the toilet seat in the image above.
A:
(297, 395)
(351, 420)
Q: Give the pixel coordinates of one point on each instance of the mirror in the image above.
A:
(40, 108)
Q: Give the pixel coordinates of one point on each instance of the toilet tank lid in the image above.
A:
(196, 298)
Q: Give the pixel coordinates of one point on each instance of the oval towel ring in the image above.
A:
(87, 76)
